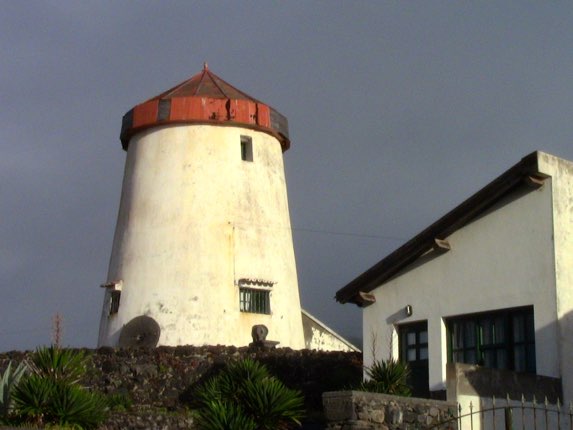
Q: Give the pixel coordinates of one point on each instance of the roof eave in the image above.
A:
(442, 228)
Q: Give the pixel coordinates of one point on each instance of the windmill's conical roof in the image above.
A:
(208, 99)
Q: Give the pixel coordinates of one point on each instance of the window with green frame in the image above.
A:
(503, 339)
(254, 300)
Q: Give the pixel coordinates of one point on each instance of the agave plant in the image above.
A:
(8, 381)
(245, 396)
(51, 394)
(32, 397)
(388, 377)
(224, 415)
(59, 365)
(73, 405)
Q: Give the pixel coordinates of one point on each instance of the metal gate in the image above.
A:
(496, 414)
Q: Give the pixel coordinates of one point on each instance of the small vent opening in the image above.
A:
(246, 148)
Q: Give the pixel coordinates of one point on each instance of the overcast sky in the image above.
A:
(398, 110)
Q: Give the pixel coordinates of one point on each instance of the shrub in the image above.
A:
(31, 398)
(119, 402)
(388, 377)
(244, 396)
(73, 405)
(51, 394)
(8, 381)
(59, 365)
(224, 415)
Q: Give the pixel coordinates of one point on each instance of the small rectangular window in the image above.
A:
(164, 110)
(114, 301)
(246, 148)
(254, 300)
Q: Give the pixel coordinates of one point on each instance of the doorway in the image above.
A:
(413, 339)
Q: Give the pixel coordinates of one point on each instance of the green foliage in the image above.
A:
(31, 398)
(388, 377)
(57, 364)
(51, 394)
(224, 415)
(119, 402)
(71, 404)
(8, 381)
(245, 396)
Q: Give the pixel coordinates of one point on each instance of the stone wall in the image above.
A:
(357, 410)
(159, 381)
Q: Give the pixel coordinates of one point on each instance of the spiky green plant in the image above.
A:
(388, 377)
(118, 402)
(246, 390)
(73, 405)
(51, 394)
(32, 397)
(8, 381)
(224, 415)
(57, 364)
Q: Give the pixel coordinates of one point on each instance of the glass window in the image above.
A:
(246, 148)
(411, 338)
(502, 339)
(413, 342)
(254, 300)
(115, 296)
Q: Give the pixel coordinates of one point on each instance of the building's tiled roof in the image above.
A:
(205, 98)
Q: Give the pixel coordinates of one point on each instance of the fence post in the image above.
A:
(508, 414)
(508, 418)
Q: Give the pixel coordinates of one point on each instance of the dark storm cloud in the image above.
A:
(397, 112)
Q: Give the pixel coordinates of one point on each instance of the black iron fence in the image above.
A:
(507, 414)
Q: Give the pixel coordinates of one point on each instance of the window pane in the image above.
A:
(470, 357)
(253, 300)
(501, 359)
(518, 328)
(411, 338)
(530, 327)
(487, 331)
(423, 337)
(530, 354)
(457, 338)
(489, 358)
(411, 355)
(499, 330)
(424, 353)
(470, 340)
(519, 358)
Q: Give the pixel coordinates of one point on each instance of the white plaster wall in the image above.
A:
(562, 178)
(322, 338)
(501, 260)
(193, 219)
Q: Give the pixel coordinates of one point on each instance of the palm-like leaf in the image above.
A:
(51, 393)
(246, 389)
(8, 381)
(272, 404)
(388, 377)
(73, 405)
(224, 415)
(32, 396)
(59, 364)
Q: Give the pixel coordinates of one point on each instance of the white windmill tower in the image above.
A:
(203, 246)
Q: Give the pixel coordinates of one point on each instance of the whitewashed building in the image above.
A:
(490, 284)
(203, 247)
